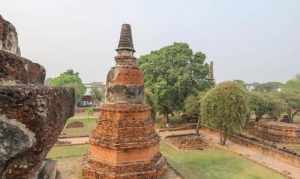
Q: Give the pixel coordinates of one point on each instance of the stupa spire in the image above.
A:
(126, 42)
(211, 71)
(124, 144)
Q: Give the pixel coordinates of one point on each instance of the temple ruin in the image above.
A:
(8, 37)
(124, 144)
(31, 115)
(274, 131)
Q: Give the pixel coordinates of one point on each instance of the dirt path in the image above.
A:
(75, 140)
(249, 153)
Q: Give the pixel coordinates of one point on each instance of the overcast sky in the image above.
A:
(254, 40)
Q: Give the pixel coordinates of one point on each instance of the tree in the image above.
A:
(97, 94)
(150, 101)
(265, 103)
(290, 93)
(192, 108)
(225, 108)
(69, 79)
(293, 84)
(291, 97)
(171, 74)
(268, 86)
(241, 83)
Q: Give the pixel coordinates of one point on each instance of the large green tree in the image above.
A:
(225, 108)
(268, 86)
(192, 108)
(293, 84)
(171, 74)
(290, 93)
(69, 79)
(266, 103)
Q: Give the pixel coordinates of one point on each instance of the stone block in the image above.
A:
(18, 70)
(41, 110)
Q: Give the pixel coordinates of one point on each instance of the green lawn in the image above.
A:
(68, 151)
(193, 164)
(89, 125)
(215, 164)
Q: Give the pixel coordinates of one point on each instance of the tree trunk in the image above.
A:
(167, 120)
(223, 137)
(198, 126)
(291, 115)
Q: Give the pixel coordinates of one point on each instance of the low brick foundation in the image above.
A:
(133, 170)
(277, 132)
(188, 141)
(272, 150)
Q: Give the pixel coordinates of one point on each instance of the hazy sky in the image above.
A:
(254, 40)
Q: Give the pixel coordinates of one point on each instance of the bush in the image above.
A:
(225, 108)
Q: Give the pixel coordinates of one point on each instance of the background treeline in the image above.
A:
(176, 79)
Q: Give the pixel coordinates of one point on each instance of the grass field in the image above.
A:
(215, 164)
(58, 152)
(207, 164)
(89, 125)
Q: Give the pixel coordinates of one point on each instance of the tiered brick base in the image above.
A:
(134, 170)
(124, 145)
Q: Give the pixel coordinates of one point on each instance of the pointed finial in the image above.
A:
(126, 42)
(211, 71)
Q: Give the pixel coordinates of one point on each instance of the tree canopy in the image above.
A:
(266, 103)
(225, 108)
(69, 79)
(172, 73)
(97, 94)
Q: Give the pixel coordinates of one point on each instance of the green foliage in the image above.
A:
(267, 87)
(293, 84)
(150, 101)
(58, 152)
(241, 83)
(89, 124)
(214, 163)
(266, 103)
(192, 106)
(69, 79)
(89, 112)
(173, 73)
(97, 94)
(225, 108)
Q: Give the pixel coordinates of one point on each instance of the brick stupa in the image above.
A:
(124, 144)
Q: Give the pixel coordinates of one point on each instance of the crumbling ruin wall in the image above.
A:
(272, 150)
(31, 115)
(276, 131)
(8, 37)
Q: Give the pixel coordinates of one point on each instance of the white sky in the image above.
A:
(248, 40)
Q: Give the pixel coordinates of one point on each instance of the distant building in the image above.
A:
(87, 99)
(99, 85)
